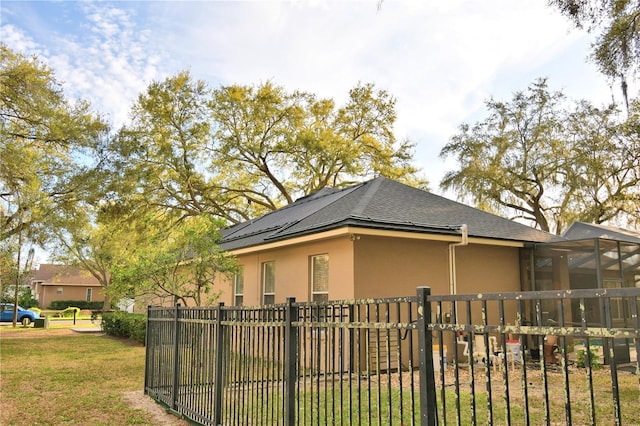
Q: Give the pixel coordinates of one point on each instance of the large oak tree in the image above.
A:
(549, 162)
(42, 136)
(237, 152)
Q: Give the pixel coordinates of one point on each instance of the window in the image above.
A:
(320, 278)
(89, 294)
(238, 288)
(59, 290)
(269, 283)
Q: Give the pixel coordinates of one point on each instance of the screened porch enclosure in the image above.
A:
(595, 263)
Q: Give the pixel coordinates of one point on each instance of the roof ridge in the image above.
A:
(338, 192)
(374, 185)
(342, 193)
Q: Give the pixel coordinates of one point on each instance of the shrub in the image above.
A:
(26, 299)
(581, 359)
(124, 324)
(58, 305)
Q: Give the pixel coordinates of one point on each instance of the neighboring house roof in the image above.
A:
(50, 274)
(583, 231)
(380, 203)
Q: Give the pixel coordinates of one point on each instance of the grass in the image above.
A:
(377, 403)
(71, 380)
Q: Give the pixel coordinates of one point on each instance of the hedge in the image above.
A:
(58, 305)
(124, 324)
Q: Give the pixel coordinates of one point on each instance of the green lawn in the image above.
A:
(69, 380)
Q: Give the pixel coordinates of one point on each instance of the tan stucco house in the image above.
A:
(61, 282)
(380, 238)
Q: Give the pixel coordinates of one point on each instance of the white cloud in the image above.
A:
(109, 64)
(15, 38)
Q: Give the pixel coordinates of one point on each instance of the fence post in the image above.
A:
(219, 380)
(290, 361)
(352, 340)
(176, 355)
(427, 379)
(147, 352)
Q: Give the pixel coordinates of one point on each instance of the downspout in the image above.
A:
(453, 285)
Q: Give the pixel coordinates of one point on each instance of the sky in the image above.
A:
(441, 60)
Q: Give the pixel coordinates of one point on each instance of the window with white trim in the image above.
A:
(320, 278)
(269, 283)
(238, 288)
(89, 294)
(59, 290)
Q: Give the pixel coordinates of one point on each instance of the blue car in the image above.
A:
(25, 316)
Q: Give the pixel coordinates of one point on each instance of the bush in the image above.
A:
(124, 324)
(26, 299)
(58, 305)
(581, 359)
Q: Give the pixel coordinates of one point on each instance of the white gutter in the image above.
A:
(453, 285)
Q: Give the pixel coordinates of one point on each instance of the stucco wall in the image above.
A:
(370, 266)
(49, 293)
(387, 267)
(292, 271)
(374, 266)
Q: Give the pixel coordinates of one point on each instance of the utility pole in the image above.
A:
(15, 299)
(27, 267)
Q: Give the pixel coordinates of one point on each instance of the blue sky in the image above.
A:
(440, 59)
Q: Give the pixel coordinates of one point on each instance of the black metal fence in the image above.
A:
(557, 357)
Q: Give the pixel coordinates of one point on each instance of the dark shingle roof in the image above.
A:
(583, 231)
(63, 274)
(380, 203)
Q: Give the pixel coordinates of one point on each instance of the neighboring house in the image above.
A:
(62, 282)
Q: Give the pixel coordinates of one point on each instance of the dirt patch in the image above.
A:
(18, 333)
(137, 399)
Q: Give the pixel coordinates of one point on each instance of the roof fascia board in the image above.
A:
(351, 230)
(58, 284)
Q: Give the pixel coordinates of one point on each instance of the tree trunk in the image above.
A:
(107, 303)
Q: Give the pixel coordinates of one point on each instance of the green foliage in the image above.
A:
(81, 304)
(184, 262)
(41, 133)
(538, 159)
(124, 324)
(26, 300)
(97, 245)
(237, 152)
(581, 359)
(617, 47)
